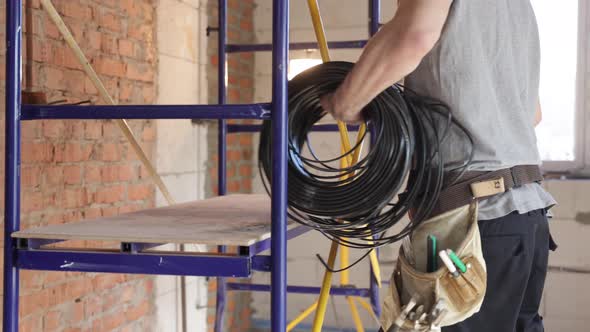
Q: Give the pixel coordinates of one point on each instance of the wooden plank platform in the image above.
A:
(234, 220)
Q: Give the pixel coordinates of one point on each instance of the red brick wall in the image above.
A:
(240, 168)
(74, 170)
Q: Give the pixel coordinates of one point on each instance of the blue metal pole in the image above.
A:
(374, 16)
(374, 20)
(12, 159)
(236, 48)
(100, 112)
(221, 147)
(280, 57)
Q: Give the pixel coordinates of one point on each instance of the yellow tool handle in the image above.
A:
(318, 320)
(318, 27)
(327, 280)
(302, 316)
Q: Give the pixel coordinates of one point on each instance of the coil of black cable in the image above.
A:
(361, 202)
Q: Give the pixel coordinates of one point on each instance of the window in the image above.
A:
(563, 53)
(297, 66)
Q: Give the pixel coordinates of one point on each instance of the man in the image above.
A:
(481, 57)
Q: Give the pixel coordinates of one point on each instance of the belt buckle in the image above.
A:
(488, 188)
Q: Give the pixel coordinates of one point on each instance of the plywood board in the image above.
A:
(234, 220)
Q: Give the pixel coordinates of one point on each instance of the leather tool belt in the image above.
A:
(480, 185)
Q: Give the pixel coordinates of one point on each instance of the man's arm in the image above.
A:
(394, 52)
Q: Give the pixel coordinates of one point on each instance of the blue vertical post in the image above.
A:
(374, 21)
(12, 156)
(374, 16)
(280, 58)
(221, 147)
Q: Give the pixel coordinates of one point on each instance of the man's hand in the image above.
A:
(339, 112)
(394, 52)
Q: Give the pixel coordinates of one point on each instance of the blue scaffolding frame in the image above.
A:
(30, 254)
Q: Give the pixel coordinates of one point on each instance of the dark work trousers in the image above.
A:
(516, 248)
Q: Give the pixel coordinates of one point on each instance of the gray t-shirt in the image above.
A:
(486, 67)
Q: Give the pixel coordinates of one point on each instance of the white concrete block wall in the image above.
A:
(567, 294)
(181, 146)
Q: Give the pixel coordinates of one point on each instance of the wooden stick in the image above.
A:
(69, 38)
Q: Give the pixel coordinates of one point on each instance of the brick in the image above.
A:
(233, 155)
(233, 94)
(233, 186)
(49, 28)
(54, 78)
(94, 39)
(139, 192)
(110, 152)
(89, 88)
(33, 303)
(76, 313)
(129, 208)
(71, 61)
(54, 219)
(31, 324)
(77, 10)
(149, 133)
(78, 288)
(109, 44)
(246, 139)
(73, 174)
(74, 81)
(246, 25)
(246, 185)
(141, 31)
(92, 213)
(130, 8)
(110, 322)
(92, 174)
(42, 51)
(73, 152)
(51, 320)
(30, 129)
(110, 22)
(127, 293)
(137, 312)
(126, 172)
(110, 194)
(110, 67)
(36, 152)
(92, 306)
(74, 198)
(246, 170)
(111, 130)
(76, 27)
(126, 90)
(109, 173)
(147, 11)
(32, 281)
(30, 176)
(54, 175)
(126, 48)
(148, 94)
(92, 129)
(140, 72)
(214, 60)
(247, 83)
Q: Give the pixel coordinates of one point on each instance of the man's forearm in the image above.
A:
(394, 52)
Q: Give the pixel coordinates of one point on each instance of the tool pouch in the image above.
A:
(463, 295)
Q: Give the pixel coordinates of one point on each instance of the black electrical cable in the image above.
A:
(357, 206)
